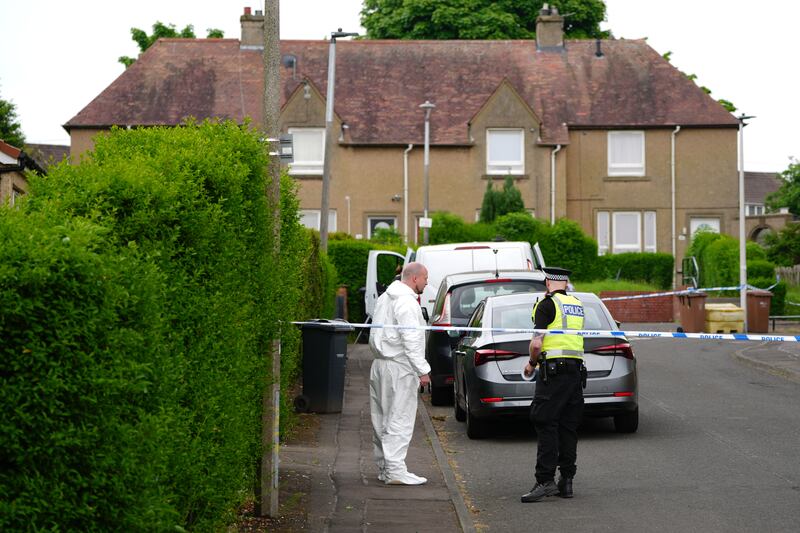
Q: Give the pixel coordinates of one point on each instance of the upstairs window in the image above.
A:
(505, 151)
(626, 153)
(309, 151)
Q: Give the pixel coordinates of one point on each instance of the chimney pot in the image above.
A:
(247, 11)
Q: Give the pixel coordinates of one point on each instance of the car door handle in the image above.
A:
(459, 352)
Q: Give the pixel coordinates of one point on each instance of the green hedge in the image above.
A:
(652, 268)
(138, 301)
(778, 301)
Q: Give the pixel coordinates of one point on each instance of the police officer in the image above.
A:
(557, 405)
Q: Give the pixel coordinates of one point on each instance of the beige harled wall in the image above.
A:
(706, 181)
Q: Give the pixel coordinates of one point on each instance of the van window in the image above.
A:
(466, 298)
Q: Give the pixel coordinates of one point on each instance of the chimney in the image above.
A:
(549, 29)
(252, 30)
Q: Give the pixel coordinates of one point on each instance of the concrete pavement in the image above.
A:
(345, 492)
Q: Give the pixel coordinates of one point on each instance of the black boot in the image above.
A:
(565, 487)
(539, 491)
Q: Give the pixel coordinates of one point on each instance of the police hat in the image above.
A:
(556, 274)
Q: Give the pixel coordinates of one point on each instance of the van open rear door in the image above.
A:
(537, 253)
(381, 270)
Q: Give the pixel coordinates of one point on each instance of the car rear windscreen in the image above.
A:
(519, 317)
(465, 299)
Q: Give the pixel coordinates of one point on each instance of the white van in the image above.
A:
(444, 259)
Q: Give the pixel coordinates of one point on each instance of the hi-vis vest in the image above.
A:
(569, 315)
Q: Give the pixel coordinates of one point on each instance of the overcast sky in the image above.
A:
(57, 56)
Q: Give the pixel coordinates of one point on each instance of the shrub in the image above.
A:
(447, 228)
(522, 227)
(651, 268)
(568, 247)
(144, 299)
(760, 269)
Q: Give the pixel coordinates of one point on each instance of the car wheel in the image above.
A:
(627, 422)
(476, 427)
(441, 395)
(460, 414)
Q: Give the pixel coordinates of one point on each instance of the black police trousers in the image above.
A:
(556, 412)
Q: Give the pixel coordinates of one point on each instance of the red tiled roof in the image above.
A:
(758, 185)
(380, 84)
(11, 151)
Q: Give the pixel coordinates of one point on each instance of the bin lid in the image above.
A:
(337, 325)
(759, 292)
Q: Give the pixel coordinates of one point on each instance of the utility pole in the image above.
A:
(266, 490)
(326, 160)
(742, 232)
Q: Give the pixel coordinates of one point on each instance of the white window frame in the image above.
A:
(603, 232)
(755, 210)
(696, 222)
(615, 225)
(616, 168)
(317, 214)
(650, 232)
(307, 167)
(501, 167)
(385, 217)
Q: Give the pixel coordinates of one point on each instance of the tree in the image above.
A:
(727, 104)
(788, 195)
(476, 19)
(784, 248)
(498, 203)
(10, 128)
(160, 30)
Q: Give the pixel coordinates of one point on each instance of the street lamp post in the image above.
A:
(428, 107)
(347, 199)
(742, 243)
(326, 165)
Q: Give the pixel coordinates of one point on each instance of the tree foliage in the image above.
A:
(784, 247)
(10, 128)
(788, 195)
(161, 30)
(727, 104)
(498, 203)
(476, 19)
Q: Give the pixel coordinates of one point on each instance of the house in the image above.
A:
(604, 132)
(13, 164)
(759, 221)
(47, 155)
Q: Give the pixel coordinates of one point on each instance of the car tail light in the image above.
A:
(623, 348)
(484, 356)
(491, 400)
(499, 280)
(444, 319)
(622, 394)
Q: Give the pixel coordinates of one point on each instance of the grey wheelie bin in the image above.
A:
(324, 356)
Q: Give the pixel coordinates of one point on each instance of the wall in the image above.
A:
(657, 309)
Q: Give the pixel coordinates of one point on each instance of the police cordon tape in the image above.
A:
(685, 291)
(582, 333)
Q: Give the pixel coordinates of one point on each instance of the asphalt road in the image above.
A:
(718, 449)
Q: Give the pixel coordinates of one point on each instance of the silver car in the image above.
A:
(488, 365)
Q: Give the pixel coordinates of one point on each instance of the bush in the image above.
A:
(568, 247)
(760, 269)
(448, 228)
(139, 297)
(522, 227)
(651, 268)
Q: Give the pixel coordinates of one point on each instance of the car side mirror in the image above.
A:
(425, 314)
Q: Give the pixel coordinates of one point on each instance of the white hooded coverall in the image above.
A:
(394, 376)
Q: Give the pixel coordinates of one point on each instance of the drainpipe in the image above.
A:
(553, 183)
(405, 190)
(674, 244)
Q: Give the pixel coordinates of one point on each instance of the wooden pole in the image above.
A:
(266, 503)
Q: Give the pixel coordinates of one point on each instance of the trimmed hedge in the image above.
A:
(138, 301)
(652, 268)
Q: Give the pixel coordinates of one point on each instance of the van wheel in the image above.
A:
(458, 412)
(441, 395)
(627, 422)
